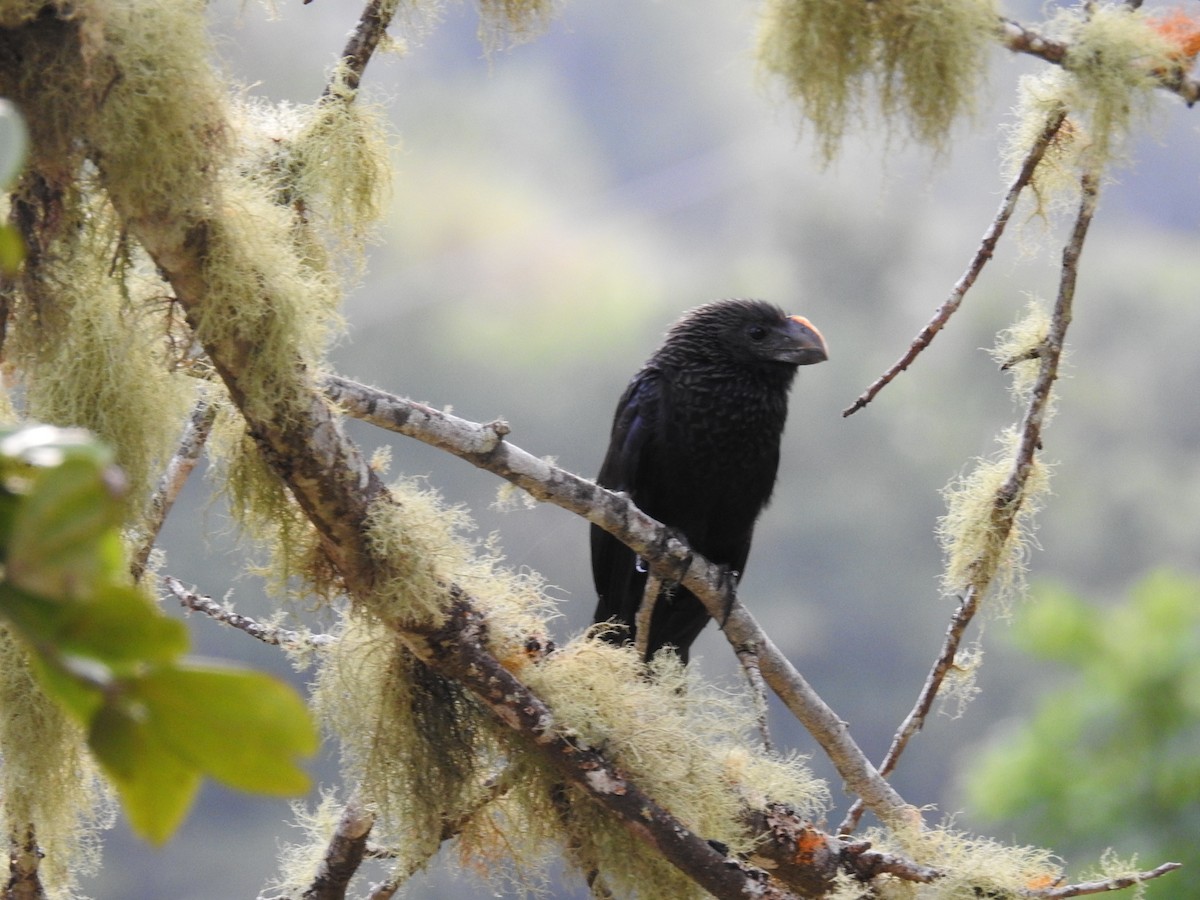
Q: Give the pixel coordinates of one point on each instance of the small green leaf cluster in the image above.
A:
(156, 722)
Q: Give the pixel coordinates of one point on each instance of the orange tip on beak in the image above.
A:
(800, 320)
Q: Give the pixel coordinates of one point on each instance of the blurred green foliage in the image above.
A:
(1112, 757)
(156, 721)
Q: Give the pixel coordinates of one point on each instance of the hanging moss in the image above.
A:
(48, 779)
(94, 336)
(682, 742)
(503, 23)
(925, 60)
(411, 741)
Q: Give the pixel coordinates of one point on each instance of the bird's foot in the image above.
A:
(728, 582)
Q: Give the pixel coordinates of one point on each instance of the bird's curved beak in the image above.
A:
(806, 346)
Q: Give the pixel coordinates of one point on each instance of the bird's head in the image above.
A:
(749, 332)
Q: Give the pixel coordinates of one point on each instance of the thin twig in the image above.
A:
(174, 476)
(987, 247)
(645, 614)
(1010, 495)
(1102, 887)
(747, 655)
(915, 720)
(372, 26)
(268, 634)
(483, 445)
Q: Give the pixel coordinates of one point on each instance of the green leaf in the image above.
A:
(12, 250)
(80, 697)
(119, 626)
(243, 728)
(156, 786)
(63, 534)
(116, 627)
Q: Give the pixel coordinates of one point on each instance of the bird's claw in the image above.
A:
(728, 581)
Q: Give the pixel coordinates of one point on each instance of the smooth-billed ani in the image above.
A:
(695, 444)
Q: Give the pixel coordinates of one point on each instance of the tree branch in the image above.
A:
(344, 854)
(915, 720)
(484, 446)
(301, 438)
(371, 29)
(24, 864)
(987, 247)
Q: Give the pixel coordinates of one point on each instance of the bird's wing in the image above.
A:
(632, 445)
(628, 466)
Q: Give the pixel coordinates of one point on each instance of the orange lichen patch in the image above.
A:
(1181, 30)
(1042, 882)
(809, 843)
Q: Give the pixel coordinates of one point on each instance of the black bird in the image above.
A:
(695, 444)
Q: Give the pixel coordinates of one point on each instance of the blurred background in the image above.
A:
(557, 205)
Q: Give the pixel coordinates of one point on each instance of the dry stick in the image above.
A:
(987, 246)
(176, 473)
(915, 720)
(1009, 496)
(268, 634)
(483, 445)
(1101, 887)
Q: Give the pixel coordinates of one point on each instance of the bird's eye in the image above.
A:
(757, 333)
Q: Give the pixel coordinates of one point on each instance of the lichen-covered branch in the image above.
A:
(370, 31)
(24, 862)
(1103, 886)
(484, 446)
(343, 855)
(1009, 497)
(1020, 39)
(268, 634)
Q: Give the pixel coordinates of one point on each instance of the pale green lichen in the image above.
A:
(411, 741)
(1107, 84)
(161, 125)
(503, 23)
(984, 542)
(921, 57)
(683, 743)
(95, 342)
(971, 866)
(281, 544)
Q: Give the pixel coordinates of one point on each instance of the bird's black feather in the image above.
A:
(695, 444)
